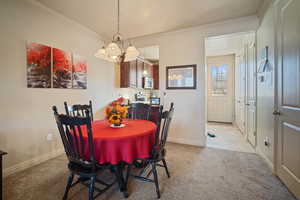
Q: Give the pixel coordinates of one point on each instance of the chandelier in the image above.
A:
(115, 51)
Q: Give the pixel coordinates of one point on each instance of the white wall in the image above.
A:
(265, 90)
(149, 52)
(224, 45)
(187, 47)
(26, 116)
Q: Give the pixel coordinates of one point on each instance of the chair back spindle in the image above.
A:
(139, 111)
(79, 110)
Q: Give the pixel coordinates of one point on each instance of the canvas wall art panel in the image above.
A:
(79, 72)
(62, 69)
(38, 65)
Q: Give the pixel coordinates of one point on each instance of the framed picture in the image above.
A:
(38, 65)
(181, 77)
(62, 69)
(79, 72)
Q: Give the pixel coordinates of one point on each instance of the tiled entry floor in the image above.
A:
(227, 137)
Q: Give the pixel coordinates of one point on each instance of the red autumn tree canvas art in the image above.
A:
(62, 69)
(38, 65)
(79, 72)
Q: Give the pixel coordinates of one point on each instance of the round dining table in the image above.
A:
(125, 144)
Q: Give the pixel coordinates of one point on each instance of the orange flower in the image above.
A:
(120, 100)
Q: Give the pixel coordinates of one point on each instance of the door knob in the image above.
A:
(276, 112)
(247, 104)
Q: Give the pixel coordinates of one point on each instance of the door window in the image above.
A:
(219, 79)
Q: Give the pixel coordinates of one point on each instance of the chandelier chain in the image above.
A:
(118, 16)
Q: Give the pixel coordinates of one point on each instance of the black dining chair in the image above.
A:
(80, 110)
(158, 153)
(80, 164)
(139, 111)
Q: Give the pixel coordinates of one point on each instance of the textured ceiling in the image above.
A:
(144, 17)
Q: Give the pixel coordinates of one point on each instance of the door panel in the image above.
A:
(290, 155)
(220, 88)
(288, 147)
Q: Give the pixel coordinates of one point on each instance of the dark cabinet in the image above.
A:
(128, 74)
(124, 74)
(132, 73)
(155, 74)
(140, 73)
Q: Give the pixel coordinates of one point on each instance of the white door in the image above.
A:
(240, 85)
(220, 99)
(288, 114)
(251, 90)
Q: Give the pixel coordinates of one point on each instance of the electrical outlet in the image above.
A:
(267, 142)
(49, 137)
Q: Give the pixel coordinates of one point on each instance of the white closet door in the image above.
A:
(251, 91)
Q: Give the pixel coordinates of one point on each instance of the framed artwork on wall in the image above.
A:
(79, 72)
(62, 69)
(38, 65)
(52, 67)
(181, 77)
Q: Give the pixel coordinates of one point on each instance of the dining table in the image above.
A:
(122, 145)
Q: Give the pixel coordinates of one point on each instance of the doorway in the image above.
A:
(231, 91)
(220, 88)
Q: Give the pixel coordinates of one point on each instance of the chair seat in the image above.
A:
(83, 170)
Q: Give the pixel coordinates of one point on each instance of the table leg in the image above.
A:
(121, 180)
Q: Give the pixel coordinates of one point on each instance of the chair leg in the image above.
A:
(70, 180)
(166, 167)
(91, 188)
(155, 179)
(128, 174)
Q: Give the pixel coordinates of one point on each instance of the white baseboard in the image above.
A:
(32, 162)
(268, 161)
(185, 141)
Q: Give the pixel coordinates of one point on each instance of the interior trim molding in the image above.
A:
(186, 141)
(32, 162)
(268, 161)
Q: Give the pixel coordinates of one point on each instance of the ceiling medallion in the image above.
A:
(114, 51)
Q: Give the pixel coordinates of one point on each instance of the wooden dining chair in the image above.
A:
(81, 164)
(158, 154)
(139, 111)
(80, 110)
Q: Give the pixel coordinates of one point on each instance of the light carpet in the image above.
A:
(196, 174)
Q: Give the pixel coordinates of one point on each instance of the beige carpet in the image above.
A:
(196, 173)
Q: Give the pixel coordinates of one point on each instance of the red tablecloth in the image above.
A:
(113, 145)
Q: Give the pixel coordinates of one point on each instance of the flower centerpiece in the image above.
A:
(116, 111)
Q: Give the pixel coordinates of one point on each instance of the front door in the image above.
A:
(288, 113)
(220, 100)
